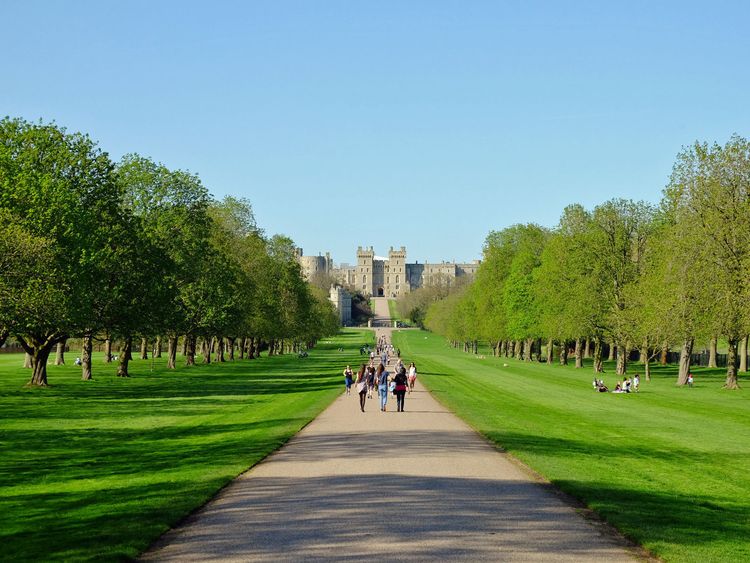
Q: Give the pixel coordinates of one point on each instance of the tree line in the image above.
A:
(132, 250)
(624, 276)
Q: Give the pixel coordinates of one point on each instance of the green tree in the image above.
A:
(58, 186)
(709, 192)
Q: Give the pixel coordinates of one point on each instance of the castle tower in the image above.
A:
(363, 276)
(396, 283)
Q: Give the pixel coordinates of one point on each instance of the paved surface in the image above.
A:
(413, 486)
(382, 313)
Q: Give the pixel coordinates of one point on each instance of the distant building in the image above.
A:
(386, 277)
(343, 303)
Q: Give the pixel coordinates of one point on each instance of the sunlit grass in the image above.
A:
(99, 469)
(668, 466)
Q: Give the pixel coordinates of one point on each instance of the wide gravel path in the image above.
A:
(413, 486)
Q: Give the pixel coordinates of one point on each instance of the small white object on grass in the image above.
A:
(505, 365)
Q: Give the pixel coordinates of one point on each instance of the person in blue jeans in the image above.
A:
(382, 379)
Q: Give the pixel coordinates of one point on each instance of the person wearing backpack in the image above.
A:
(382, 379)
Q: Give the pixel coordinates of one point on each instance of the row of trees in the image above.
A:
(97, 250)
(627, 273)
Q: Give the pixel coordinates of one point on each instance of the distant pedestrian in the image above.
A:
(636, 382)
(412, 376)
(382, 379)
(362, 386)
(400, 389)
(690, 379)
(370, 381)
(348, 378)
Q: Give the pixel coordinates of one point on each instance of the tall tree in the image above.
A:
(710, 191)
(59, 188)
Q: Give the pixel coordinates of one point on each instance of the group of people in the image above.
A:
(368, 377)
(626, 386)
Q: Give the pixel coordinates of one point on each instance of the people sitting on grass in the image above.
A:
(599, 386)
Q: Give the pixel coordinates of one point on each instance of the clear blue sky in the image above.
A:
(425, 124)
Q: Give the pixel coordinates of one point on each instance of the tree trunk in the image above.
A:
(157, 347)
(712, 352)
(251, 348)
(579, 357)
(28, 361)
(208, 345)
(622, 359)
(643, 354)
(39, 353)
(611, 352)
(86, 349)
(108, 351)
(564, 353)
(647, 368)
(243, 342)
(39, 362)
(731, 381)
(663, 356)
(518, 349)
(743, 354)
(185, 346)
(144, 348)
(550, 351)
(529, 350)
(60, 355)
(171, 352)
(189, 350)
(587, 349)
(4, 333)
(220, 346)
(598, 368)
(685, 351)
(125, 356)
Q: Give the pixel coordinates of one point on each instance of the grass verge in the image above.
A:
(666, 466)
(393, 310)
(99, 469)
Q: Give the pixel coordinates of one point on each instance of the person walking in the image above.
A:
(370, 381)
(348, 378)
(362, 386)
(412, 376)
(382, 378)
(400, 389)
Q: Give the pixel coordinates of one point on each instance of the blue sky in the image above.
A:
(425, 124)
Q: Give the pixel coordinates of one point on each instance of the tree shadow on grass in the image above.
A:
(652, 514)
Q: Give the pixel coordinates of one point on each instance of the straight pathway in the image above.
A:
(413, 486)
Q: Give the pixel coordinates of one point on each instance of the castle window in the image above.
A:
(364, 278)
(396, 282)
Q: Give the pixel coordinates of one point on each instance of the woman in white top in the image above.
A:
(412, 376)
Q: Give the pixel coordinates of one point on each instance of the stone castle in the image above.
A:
(385, 277)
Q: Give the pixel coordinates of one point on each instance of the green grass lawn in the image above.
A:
(668, 466)
(393, 310)
(99, 469)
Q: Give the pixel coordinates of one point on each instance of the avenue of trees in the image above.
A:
(134, 253)
(625, 276)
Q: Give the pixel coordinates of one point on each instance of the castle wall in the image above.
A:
(389, 277)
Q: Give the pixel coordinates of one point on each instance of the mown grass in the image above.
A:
(98, 470)
(667, 466)
(393, 310)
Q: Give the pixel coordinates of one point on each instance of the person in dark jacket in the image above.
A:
(401, 382)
